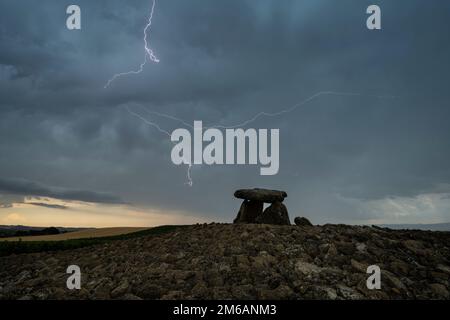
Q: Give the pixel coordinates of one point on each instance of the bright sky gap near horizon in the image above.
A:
(71, 154)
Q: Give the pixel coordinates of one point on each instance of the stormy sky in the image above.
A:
(380, 155)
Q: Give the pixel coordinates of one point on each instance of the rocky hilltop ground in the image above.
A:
(241, 261)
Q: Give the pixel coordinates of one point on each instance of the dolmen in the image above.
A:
(252, 209)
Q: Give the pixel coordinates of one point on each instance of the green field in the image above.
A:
(17, 247)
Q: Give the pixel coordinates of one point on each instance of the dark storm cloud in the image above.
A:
(46, 205)
(223, 62)
(30, 188)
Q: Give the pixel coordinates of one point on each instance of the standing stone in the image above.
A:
(249, 211)
(276, 213)
(263, 195)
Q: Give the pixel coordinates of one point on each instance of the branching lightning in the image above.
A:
(294, 107)
(155, 125)
(266, 114)
(149, 54)
(247, 122)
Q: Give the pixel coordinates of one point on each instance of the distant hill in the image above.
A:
(28, 228)
(19, 230)
(430, 227)
(79, 234)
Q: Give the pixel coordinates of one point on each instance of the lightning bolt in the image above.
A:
(149, 54)
(247, 122)
(158, 127)
(298, 105)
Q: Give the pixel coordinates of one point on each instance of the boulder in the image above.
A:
(249, 211)
(302, 221)
(276, 213)
(261, 195)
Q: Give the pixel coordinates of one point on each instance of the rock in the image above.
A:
(199, 290)
(360, 267)
(249, 211)
(130, 296)
(24, 275)
(321, 292)
(173, 295)
(149, 291)
(57, 293)
(331, 293)
(41, 295)
(261, 195)
(242, 259)
(361, 247)
(415, 246)
(440, 290)
(400, 267)
(223, 267)
(349, 293)
(51, 261)
(214, 278)
(83, 293)
(263, 261)
(443, 268)
(276, 213)
(302, 221)
(306, 268)
(332, 252)
(243, 292)
(244, 235)
(440, 276)
(346, 248)
(121, 289)
(103, 291)
(393, 281)
(282, 292)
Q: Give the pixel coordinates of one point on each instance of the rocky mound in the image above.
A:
(242, 261)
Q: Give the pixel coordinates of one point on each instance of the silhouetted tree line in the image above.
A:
(26, 233)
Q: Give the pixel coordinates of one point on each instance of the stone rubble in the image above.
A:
(241, 261)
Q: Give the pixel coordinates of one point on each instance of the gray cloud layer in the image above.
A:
(46, 205)
(224, 61)
(30, 188)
